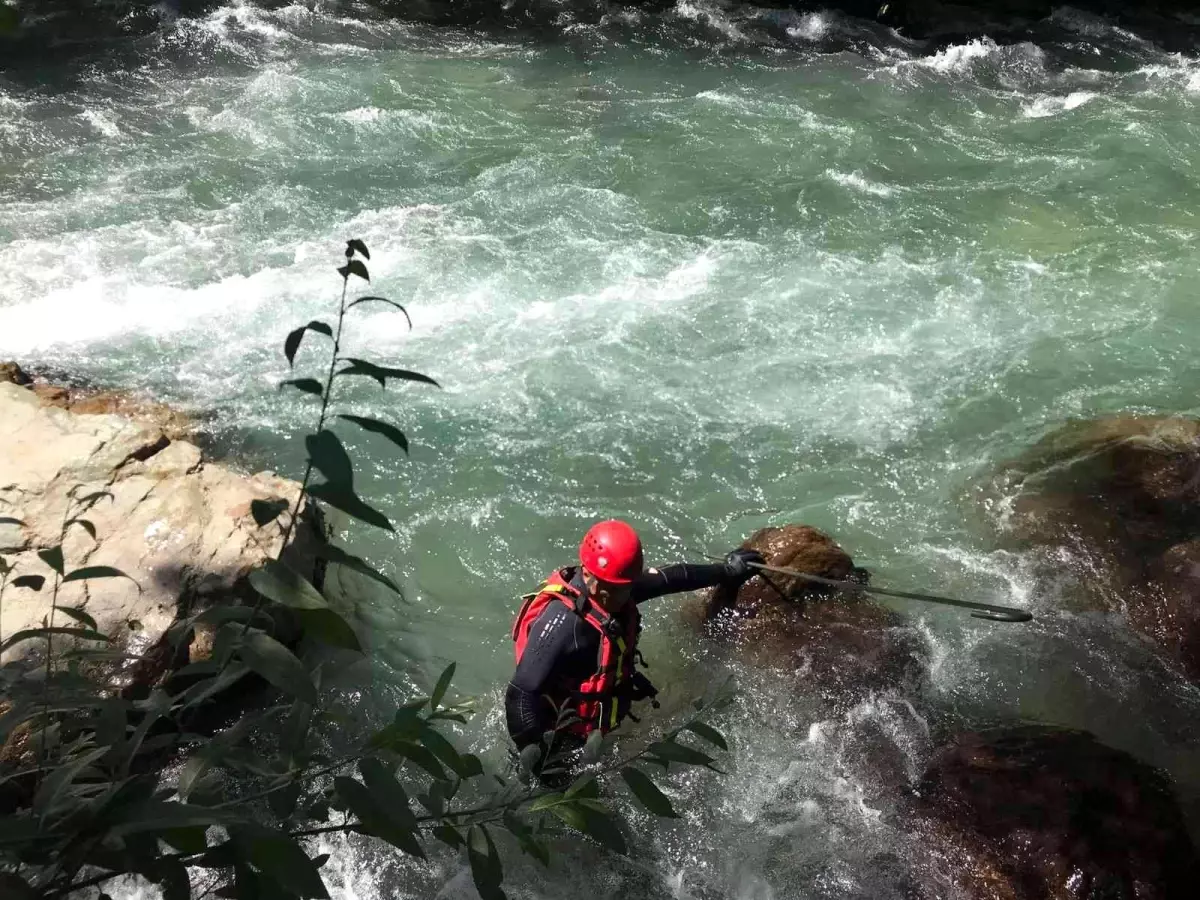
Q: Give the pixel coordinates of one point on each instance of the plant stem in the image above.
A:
(326, 396)
(308, 468)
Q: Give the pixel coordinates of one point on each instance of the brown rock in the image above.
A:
(1123, 494)
(1167, 606)
(846, 645)
(163, 520)
(1038, 813)
(11, 373)
(172, 423)
(1129, 483)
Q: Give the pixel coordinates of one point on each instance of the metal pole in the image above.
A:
(982, 610)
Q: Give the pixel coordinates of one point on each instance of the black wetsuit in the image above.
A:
(562, 649)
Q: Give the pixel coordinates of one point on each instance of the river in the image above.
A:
(705, 270)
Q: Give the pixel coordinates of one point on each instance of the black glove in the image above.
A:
(737, 564)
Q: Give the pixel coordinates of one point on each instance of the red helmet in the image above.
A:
(612, 552)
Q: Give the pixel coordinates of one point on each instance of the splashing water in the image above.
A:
(686, 270)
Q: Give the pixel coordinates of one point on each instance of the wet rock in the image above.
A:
(179, 526)
(843, 644)
(1035, 812)
(1167, 606)
(1122, 496)
(11, 373)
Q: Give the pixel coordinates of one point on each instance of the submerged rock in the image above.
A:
(179, 526)
(1122, 494)
(843, 644)
(1035, 812)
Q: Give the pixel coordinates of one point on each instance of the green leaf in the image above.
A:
(172, 876)
(279, 582)
(330, 628)
(584, 788)
(32, 582)
(593, 747)
(527, 838)
(389, 795)
(546, 801)
(381, 300)
(338, 556)
(53, 557)
(277, 664)
(157, 815)
(349, 503)
(354, 245)
(14, 887)
(361, 802)
(277, 856)
(671, 751)
(593, 823)
(192, 770)
(448, 835)
(648, 793)
(84, 524)
(329, 457)
(267, 511)
(186, 840)
(296, 727)
(439, 746)
(420, 755)
(530, 756)
(435, 800)
(354, 267)
(307, 385)
(78, 615)
(88, 572)
(443, 685)
(111, 722)
(84, 634)
(60, 779)
(283, 800)
(292, 343)
(472, 766)
(205, 690)
(383, 373)
(709, 734)
(391, 432)
(486, 870)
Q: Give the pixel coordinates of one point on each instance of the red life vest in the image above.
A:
(602, 700)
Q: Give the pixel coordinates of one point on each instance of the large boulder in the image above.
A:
(1121, 495)
(844, 644)
(179, 526)
(1031, 813)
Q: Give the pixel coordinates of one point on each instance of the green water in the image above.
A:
(668, 272)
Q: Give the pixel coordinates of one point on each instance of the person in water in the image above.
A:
(576, 637)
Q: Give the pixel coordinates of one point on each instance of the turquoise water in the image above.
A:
(667, 270)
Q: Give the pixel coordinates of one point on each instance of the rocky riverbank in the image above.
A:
(179, 525)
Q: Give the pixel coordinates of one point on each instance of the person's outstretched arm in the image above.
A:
(680, 577)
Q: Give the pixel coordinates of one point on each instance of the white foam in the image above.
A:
(856, 182)
(101, 122)
(959, 58)
(715, 18)
(363, 114)
(811, 27)
(1043, 107)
